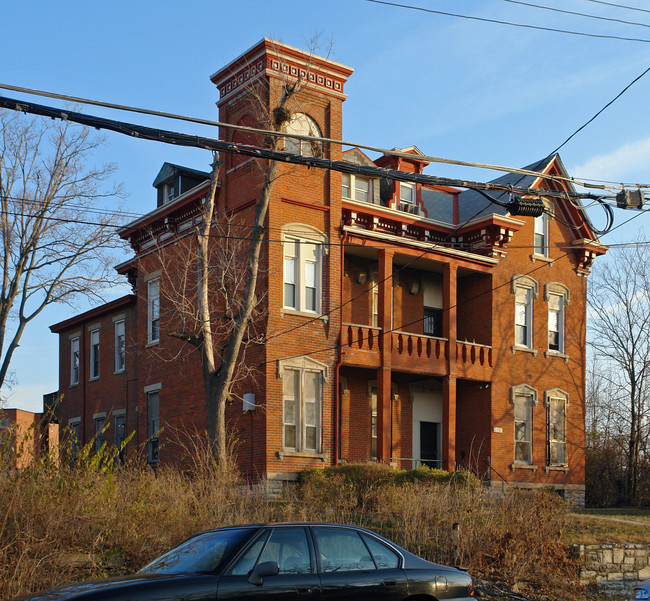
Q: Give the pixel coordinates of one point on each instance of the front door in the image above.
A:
(429, 444)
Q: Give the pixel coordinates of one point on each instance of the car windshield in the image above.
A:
(201, 553)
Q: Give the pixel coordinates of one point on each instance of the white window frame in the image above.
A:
(305, 367)
(153, 311)
(561, 292)
(120, 346)
(553, 440)
(374, 300)
(540, 237)
(556, 315)
(524, 288)
(94, 354)
(351, 181)
(297, 240)
(75, 361)
(525, 395)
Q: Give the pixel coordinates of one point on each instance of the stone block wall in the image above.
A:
(613, 568)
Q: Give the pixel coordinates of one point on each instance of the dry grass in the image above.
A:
(59, 524)
(597, 526)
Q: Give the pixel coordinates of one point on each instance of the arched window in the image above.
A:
(302, 125)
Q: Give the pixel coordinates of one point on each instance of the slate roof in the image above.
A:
(472, 204)
(169, 169)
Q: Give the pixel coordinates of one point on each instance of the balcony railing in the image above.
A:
(415, 352)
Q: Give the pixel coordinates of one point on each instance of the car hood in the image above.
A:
(98, 588)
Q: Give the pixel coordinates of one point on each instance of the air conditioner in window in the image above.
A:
(407, 207)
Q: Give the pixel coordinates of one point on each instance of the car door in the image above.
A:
(354, 565)
(290, 548)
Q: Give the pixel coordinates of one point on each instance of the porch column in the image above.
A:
(449, 324)
(385, 308)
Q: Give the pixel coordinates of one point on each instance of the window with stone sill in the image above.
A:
(523, 398)
(525, 290)
(302, 405)
(74, 361)
(556, 406)
(303, 250)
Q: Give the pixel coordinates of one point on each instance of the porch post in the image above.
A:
(449, 383)
(385, 308)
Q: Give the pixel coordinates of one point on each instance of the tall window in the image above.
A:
(153, 310)
(120, 436)
(556, 403)
(523, 317)
(153, 426)
(374, 301)
(356, 187)
(120, 346)
(556, 323)
(541, 235)
(75, 444)
(94, 354)
(99, 432)
(302, 125)
(302, 274)
(302, 393)
(74, 361)
(523, 428)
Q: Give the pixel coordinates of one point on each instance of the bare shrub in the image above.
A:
(95, 517)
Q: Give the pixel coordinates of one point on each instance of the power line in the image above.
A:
(318, 139)
(510, 23)
(571, 12)
(642, 10)
(215, 145)
(625, 89)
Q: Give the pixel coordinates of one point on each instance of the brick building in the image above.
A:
(405, 323)
(27, 436)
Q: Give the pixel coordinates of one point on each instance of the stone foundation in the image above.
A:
(613, 568)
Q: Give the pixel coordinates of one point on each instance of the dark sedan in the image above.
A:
(279, 561)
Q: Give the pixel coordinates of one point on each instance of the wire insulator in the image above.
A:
(527, 207)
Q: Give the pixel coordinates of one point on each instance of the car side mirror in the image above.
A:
(266, 568)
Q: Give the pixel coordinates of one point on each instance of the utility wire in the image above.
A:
(510, 23)
(318, 139)
(216, 145)
(533, 270)
(642, 10)
(625, 89)
(571, 12)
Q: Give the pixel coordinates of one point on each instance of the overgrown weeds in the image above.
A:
(94, 517)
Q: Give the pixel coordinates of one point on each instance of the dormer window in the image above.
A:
(169, 191)
(407, 198)
(356, 187)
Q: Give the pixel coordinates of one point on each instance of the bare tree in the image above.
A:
(619, 305)
(54, 246)
(210, 280)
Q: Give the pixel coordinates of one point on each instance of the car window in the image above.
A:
(201, 553)
(384, 557)
(342, 550)
(246, 563)
(289, 548)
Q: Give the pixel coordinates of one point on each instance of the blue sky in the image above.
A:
(455, 88)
